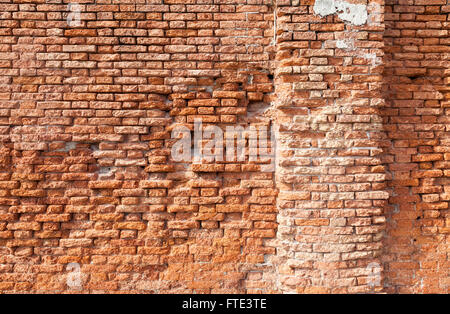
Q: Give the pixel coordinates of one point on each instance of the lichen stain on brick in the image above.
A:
(355, 14)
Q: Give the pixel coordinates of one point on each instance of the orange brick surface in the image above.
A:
(90, 189)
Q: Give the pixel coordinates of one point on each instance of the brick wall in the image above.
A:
(355, 92)
(416, 119)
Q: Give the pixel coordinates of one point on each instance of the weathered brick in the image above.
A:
(87, 171)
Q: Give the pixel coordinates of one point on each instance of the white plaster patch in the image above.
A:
(375, 11)
(355, 14)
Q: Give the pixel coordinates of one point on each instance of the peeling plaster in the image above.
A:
(355, 14)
